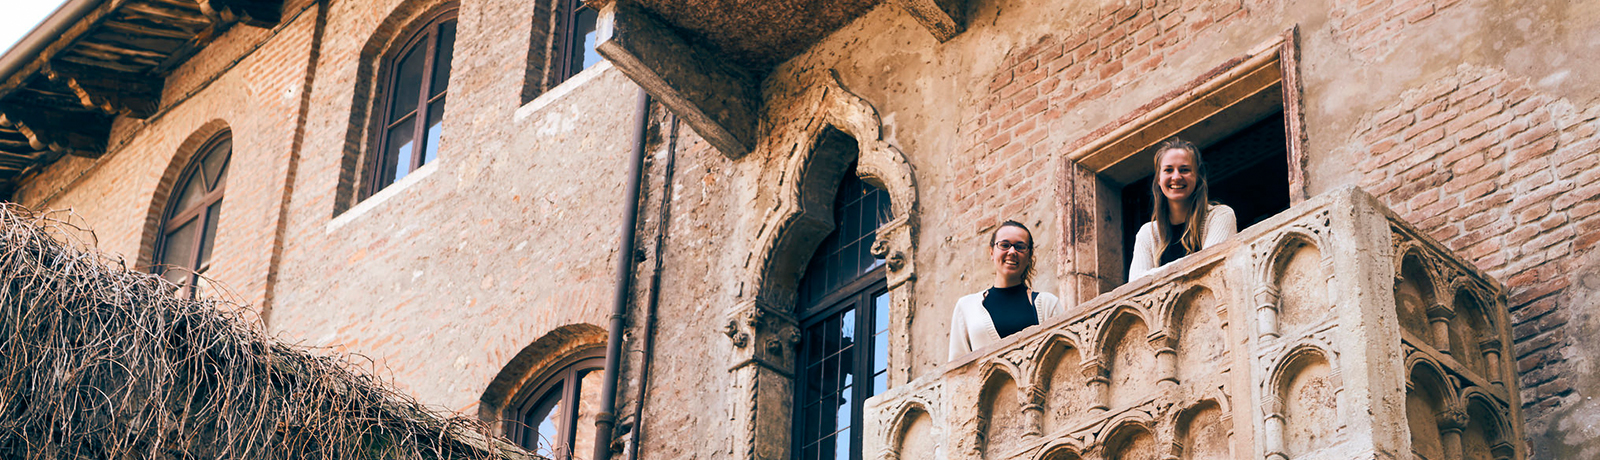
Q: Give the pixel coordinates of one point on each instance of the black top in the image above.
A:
(1174, 248)
(1010, 309)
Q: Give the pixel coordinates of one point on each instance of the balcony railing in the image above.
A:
(1333, 330)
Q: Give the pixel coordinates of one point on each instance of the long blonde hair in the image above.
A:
(1194, 230)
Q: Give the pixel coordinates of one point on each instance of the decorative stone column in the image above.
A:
(1267, 310)
(1439, 317)
(763, 339)
(1033, 411)
(1099, 385)
(1166, 359)
(1490, 344)
(1451, 421)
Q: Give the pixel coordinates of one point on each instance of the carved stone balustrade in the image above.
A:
(1333, 330)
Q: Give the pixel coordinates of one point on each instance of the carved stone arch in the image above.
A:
(1053, 345)
(1168, 312)
(1285, 363)
(401, 23)
(1103, 329)
(1066, 448)
(538, 358)
(1181, 426)
(1423, 369)
(1484, 410)
(994, 368)
(1120, 430)
(1298, 394)
(1268, 294)
(1000, 417)
(898, 425)
(1474, 331)
(162, 189)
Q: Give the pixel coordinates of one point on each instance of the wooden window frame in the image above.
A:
(379, 172)
(566, 39)
(1091, 246)
(173, 218)
(566, 375)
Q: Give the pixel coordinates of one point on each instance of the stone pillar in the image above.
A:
(1490, 344)
(1451, 421)
(1439, 318)
(1267, 310)
(1273, 428)
(1033, 412)
(1099, 385)
(1166, 359)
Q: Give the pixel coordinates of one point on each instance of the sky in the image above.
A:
(18, 17)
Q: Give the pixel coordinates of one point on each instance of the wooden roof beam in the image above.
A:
(943, 18)
(109, 91)
(81, 134)
(254, 13)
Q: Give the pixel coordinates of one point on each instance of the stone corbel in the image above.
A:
(1439, 317)
(894, 247)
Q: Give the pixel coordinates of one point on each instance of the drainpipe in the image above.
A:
(648, 322)
(607, 417)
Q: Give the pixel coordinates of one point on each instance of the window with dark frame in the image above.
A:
(556, 420)
(189, 222)
(843, 307)
(576, 41)
(410, 120)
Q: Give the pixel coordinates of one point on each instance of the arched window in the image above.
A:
(189, 224)
(556, 420)
(411, 102)
(843, 306)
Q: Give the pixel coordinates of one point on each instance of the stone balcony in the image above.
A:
(1334, 330)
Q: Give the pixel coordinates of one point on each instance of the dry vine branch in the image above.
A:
(99, 362)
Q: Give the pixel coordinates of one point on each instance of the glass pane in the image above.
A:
(543, 423)
(880, 312)
(177, 251)
(190, 194)
(213, 162)
(408, 82)
(842, 445)
(430, 150)
(399, 148)
(589, 386)
(441, 63)
(842, 414)
(847, 326)
(208, 235)
(583, 29)
(880, 362)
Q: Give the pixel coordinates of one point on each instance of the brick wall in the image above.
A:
(1507, 177)
(1035, 86)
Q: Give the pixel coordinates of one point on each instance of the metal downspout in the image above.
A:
(607, 418)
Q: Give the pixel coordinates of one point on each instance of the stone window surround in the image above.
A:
(761, 325)
(1089, 253)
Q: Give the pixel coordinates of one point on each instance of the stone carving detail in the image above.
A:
(1152, 373)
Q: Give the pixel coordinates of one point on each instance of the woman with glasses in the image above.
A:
(1010, 306)
(1184, 220)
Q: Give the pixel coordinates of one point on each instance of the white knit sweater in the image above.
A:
(1220, 225)
(972, 328)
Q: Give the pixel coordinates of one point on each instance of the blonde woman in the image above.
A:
(985, 317)
(1184, 220)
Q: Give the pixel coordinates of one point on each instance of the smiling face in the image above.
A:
(1177, 175)
(1011, 265)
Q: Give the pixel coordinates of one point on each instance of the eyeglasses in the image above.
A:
(1007, 246)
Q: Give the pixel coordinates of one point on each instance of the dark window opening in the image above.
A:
(557, 421)
(189, 224)
(412, 115)
(1248, 170)
(844, 347)
(575, 46)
